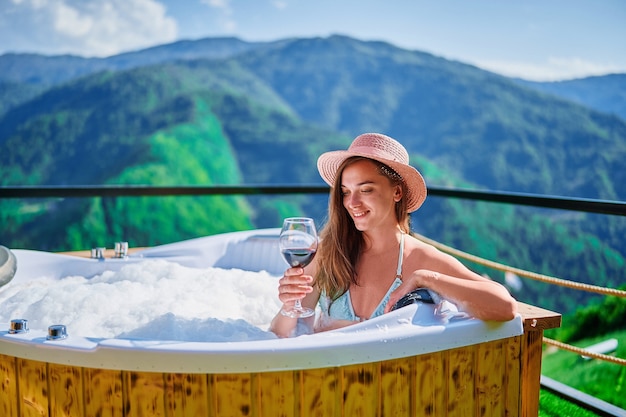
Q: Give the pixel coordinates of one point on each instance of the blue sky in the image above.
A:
(532, 39)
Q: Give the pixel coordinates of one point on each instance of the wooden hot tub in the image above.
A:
(396, 365)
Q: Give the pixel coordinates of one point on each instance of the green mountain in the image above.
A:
(606, 93)
(262, 113)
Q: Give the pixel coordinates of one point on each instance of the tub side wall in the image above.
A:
(483, 379)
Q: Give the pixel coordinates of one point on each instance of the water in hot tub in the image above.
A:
(153, 299)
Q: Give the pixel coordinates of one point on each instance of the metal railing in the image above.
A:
(554, 202)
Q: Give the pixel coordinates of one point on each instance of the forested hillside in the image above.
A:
(228, 112)
(606, 93)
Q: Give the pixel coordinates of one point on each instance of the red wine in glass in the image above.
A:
(298, 244)
(298, 257)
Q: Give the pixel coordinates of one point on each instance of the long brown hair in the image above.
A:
(342, 243)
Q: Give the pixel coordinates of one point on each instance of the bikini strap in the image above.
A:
(400, 256)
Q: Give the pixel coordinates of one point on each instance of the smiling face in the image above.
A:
(368, 196)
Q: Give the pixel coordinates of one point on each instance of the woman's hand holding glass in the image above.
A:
(293, 287)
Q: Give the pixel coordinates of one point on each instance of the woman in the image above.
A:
(367, 259)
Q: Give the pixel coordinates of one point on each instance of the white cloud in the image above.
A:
(69, 22)
(553, 69)
(85, 27)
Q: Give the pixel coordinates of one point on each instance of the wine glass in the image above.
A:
(298, 244)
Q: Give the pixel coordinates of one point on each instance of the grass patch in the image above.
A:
(601, 379)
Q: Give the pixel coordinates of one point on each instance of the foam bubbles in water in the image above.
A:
(153, 299)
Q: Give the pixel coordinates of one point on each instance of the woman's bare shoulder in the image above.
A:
(425, 255)
(422, 255)
(415, 246)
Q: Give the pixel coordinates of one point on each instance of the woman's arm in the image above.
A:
(478, 296)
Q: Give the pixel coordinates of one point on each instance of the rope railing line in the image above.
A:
(521, 272)
(583, 352)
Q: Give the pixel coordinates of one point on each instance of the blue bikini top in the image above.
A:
(342, 309)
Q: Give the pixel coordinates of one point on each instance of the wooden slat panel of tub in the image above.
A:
(32, 377)
(186, 395)
(361, 389)
(231, 395)
(531, 372)
(321, 392)
(277, 393)
(397, 388)
(430, 376)
(103, 393)
(512, 374)
(8, 386)
(490, 379)
(66, 390)
(144, 394)
(460, 381)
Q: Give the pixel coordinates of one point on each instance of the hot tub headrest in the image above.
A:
(8, 265)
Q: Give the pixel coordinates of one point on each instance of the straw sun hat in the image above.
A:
(383, 149)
